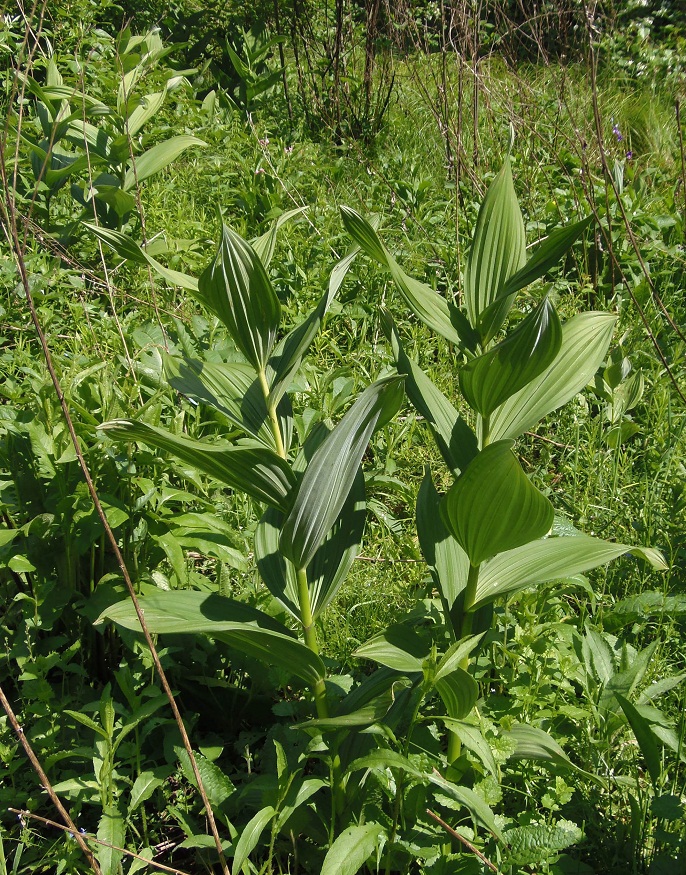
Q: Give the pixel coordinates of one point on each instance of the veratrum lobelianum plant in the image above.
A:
(492, 534)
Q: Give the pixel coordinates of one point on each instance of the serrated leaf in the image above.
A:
(218, 786)
(236, 288)
(351, 849)
(143, 787)
(332, 469)
(488, 380)
(585, 339)
(454, 438)
(550, 559)
(497, 253)
(110, 830)
(185, 612)
(493, 507)
(248, 467)
(537, 843)
(157, 157)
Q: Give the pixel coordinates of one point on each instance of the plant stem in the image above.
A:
(310, 634)
(273, 418)
(454, 744)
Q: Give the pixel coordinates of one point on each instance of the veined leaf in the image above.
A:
(250, 836)
(330, 564)
(248, 467)
(157, 157)
(447, 561)
(387, 759)
(186, 612)
(352, 848)
(452, 658)
(236, 288)
(459, 692)
(454, 438)
(585, 339)
(545, 255)
(127, 248)
(490, 379)
(550, 559)
(645, 738)
(111, 832)
(148, 107)
(232, 389)
(473, 739)
(494, 507)
(425, 303)
(332, 470)
(399, 647)
(498, 252)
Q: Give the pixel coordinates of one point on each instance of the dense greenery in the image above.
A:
(367, 322)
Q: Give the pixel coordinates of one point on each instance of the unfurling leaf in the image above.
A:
(236, 288)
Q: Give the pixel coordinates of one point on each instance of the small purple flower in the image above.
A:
(629, 155)
(617, 133)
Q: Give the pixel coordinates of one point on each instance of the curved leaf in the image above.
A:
(399, 647)
(471, 801)
(454, 438)
(352, 848)
(447, 561)
(250, 836)
(490, 379)
(332, 470)
(550, 559)
(425, 303)
(157, 157)
(330, 564)
(585, 339)
(459, 692)
(494, 507)
(233, 389)
(236, 288)
(265, 244)
(498, 252)
(248, 467)
(182, 612)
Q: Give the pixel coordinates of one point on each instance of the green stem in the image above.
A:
(273, 418)
(310, 634)
(454, 743)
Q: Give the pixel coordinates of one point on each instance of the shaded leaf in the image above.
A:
(352, 848)
(250, 836)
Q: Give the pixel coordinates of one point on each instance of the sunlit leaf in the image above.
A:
(332, 470)
(490, 379)
(352, 848)
(157, 157)
(493, 507)
(399, 647)
(236, 288)
(248, 467)
(585, 339)
(498, 252)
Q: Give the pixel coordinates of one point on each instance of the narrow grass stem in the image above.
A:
(273, 418)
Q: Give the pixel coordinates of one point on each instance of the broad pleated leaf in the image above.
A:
(149, 106)
(157, 157)
(247, 467)
(387, 759)
(265, 244)
(459, 692)
(550, 559)
(243, 627)
(494, 507)
(455, 654)
(288, 353)
(236, 288)
(399, 647)
(126, 247)
(233, 390)
(425, 303)
(545, 256)
(332, 470)
(498, 252)
(454, 438)
(447, 561)
(585, 339)
(352, 848)
(490, 379)
(330, 564)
